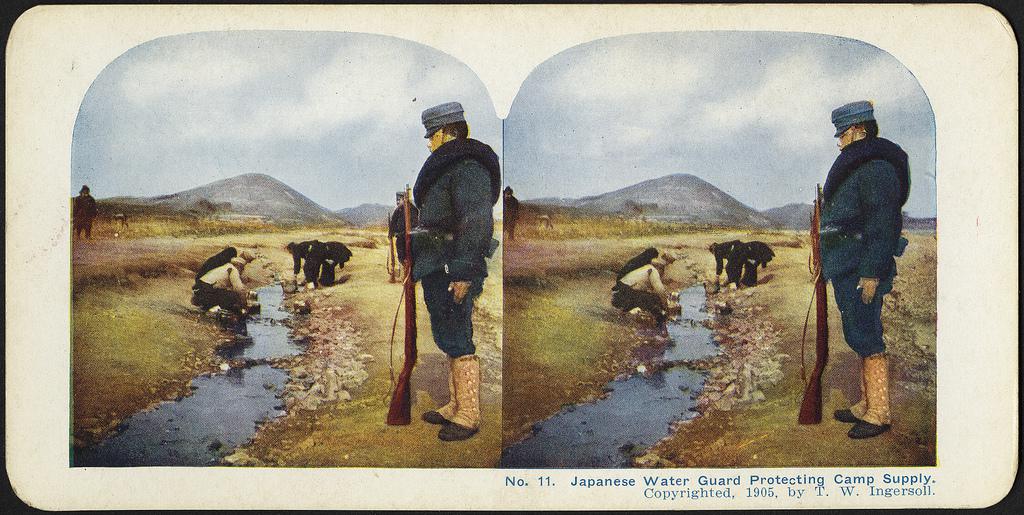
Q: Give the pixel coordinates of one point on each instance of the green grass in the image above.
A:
(131, 347)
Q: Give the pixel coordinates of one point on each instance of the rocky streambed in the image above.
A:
(225, 406)
(719, 354)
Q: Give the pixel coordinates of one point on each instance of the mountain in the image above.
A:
(247, 195)
(790, 216)
(365, 215)
(798, 217)
(678, 197)
(918, 224)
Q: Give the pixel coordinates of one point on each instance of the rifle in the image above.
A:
(400, 410)
(810, 407)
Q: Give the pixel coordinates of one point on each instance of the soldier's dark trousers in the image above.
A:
(450, 323)
(207, 296)
(862, 323)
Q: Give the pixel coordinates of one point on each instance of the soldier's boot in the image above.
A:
(876, 419)
(466, 421)
(857, 411)
(444, 414)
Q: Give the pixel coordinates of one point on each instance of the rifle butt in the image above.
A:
(810, 408)
(400, 410)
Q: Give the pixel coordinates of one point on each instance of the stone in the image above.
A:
(651, 460)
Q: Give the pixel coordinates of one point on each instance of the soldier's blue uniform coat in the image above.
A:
(861, 222)
(455, 192)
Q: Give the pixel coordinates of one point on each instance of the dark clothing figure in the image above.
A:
(396, 227)
(510, 213)
(83, 213)
(627, 298)
(721, 251)
(299, 252)
(219, 259)
(218, 283)
(321, 260)
(641, 259)
(861, 221)
(750, 255)
(207, 296)
(455, 192)
(639, 272)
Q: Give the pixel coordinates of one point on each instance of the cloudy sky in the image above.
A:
(748, 112)
(334, 115)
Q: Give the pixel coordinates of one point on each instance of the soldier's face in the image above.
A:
(436, 140)
(854, 133)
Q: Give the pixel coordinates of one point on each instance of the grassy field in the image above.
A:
(151, 225)
(137, 341)
(561, 329)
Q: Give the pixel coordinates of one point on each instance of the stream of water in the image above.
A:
(223, 410)
(636, 413)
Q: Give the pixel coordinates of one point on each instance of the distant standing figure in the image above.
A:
(396, 226)
(83, 213)
(545, 222)
(510, 212)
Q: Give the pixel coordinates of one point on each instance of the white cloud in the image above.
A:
(799, 92)
(186, 74)
(624, 70)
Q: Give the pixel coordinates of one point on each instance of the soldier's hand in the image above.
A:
(459, 290)
(867, 287)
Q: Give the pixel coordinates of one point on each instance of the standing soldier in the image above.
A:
(396, 228)
(510, 213)
(861, 222)
(455, 192)
(83, 213)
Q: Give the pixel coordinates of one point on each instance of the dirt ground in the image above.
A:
(158, 342)
(562, 331)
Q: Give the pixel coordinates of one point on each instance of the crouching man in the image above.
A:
(455, 192)
(221, 284)
(639, 285)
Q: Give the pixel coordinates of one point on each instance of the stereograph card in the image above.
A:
(511, 257)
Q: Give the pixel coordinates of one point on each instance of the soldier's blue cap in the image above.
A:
(441, 115)
(853, 113)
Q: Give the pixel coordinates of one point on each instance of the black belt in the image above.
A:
(839, 232)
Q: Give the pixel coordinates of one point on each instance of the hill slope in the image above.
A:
(365, 215)
(251, 194)
(678, 197)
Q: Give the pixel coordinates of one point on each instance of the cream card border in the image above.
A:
(964, 56)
